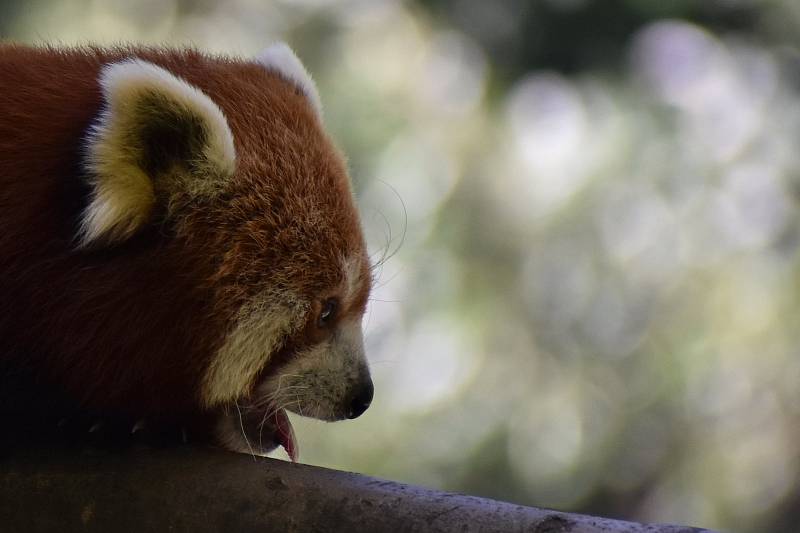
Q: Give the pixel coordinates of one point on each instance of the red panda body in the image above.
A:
(167, 216)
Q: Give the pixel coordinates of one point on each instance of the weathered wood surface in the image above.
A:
(185, 488)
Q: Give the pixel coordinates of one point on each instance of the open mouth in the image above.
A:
(259, 429)
(285, 434)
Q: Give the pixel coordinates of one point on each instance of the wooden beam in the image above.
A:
(197, 489)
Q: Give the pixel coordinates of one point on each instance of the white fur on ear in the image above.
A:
(281, 59)
(140, 96)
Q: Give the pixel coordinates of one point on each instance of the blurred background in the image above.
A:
(585, 216)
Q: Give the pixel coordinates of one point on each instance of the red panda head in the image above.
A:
(232, 163)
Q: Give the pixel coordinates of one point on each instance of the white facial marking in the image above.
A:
(257, 334)
(317, 382)
(352, 275)
(281, 59)
(123, 194)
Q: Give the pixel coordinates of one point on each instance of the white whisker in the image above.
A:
(244, 434)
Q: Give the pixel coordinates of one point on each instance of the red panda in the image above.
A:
(180, 242)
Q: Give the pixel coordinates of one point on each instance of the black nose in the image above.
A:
(361, 400)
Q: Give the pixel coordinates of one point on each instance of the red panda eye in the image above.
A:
(328, 312)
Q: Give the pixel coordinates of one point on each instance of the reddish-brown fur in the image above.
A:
(131, 328)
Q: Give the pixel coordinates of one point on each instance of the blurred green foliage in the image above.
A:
(585, 214)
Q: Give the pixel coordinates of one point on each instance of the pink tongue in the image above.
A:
(286, 436)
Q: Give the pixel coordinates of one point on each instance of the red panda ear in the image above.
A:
(156, 135)
(280, 59)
